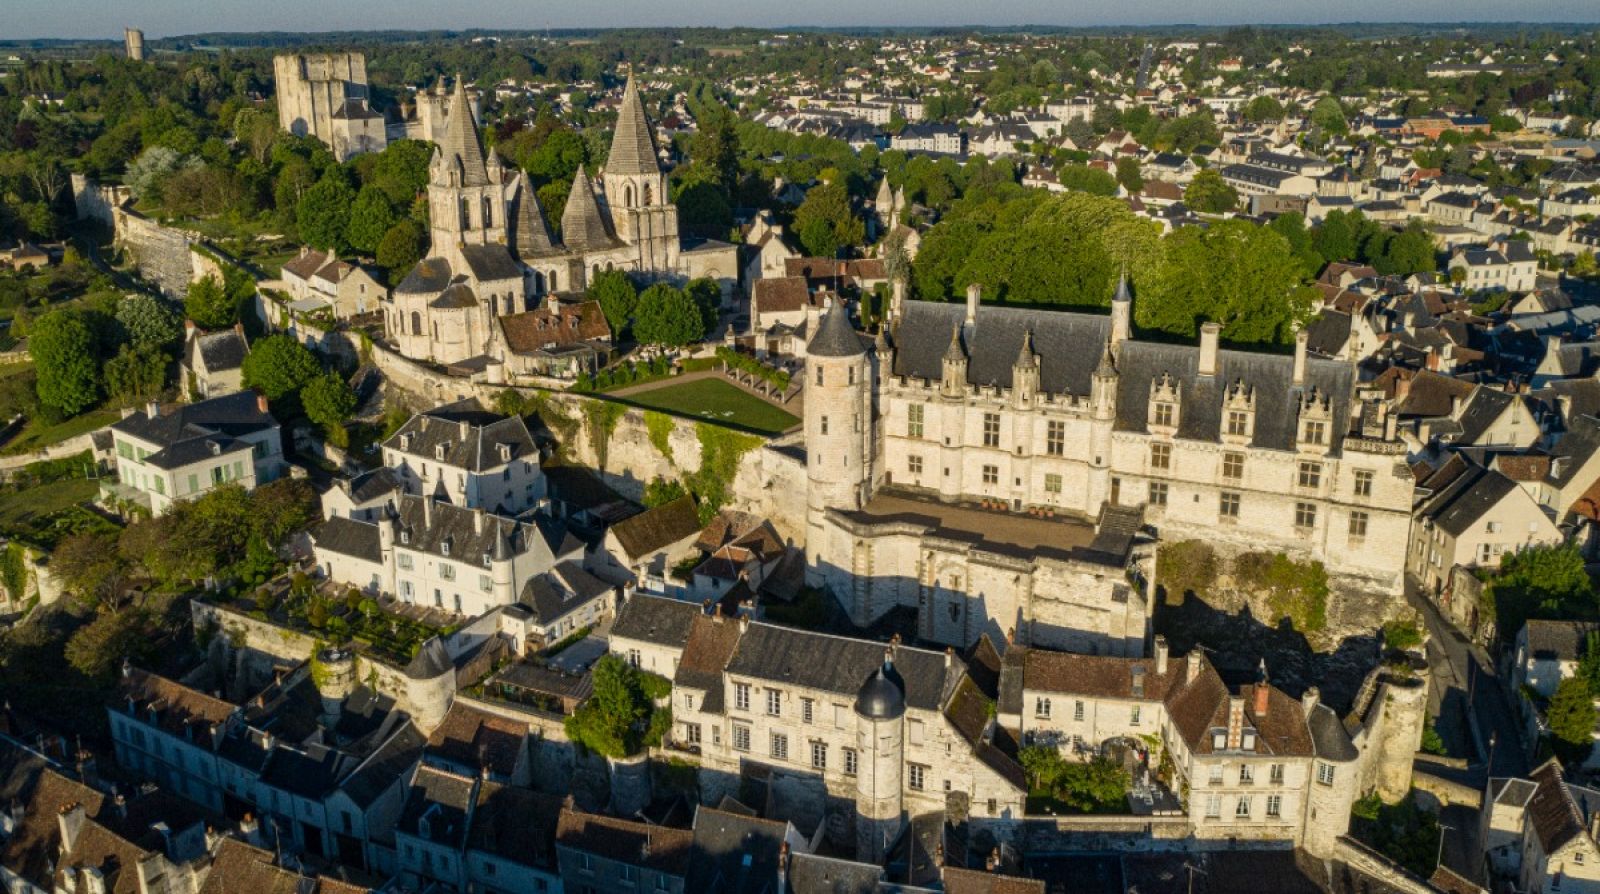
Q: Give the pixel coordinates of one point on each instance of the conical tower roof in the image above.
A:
(531, 234)
(633, 146)
(835, 336)
(885, 199)
(582, 227)
(461, 146)
(1026, 358)
(1123, 293)
(955, 353)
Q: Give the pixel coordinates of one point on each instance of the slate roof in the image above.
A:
(839, 664)
(177, 709)
(349, 537)
(219, 351)
(815, 874)
(1552, 810)
(657, 528)
(386, 766)
(1329, 737)
(1558, 640)
(780, 294)
(655, 619)
(516, 824)
(34, 845)
(713, 639)
(633, 145)
(734, 854)
(190, 432)
(562, 589)
(429, 277)
(836, 337)
(477, 449)
(469, 737)
(530, 231)
(461, 147)
(491, 261)
(374, 485)
(1466, 499)
(972, 881)
(438, 806)
(1069, 343)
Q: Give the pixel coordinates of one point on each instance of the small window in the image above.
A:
(1052, 483)
(1055, 437)
(1315, 432)
(1358, 524)
(849, 761)
(1242, 809)
(1158, 493)
(1305, 515)
(1233, 466)
(1041, 708)
(1163, 415)
(1238, 423)
(1133, 715)
(819, 755)
(806, 706)
(774, 702)
(1077, 710)
(1325, 773)
(1216, 775)
(914, 465)
(917, 777)
(914, 420)
(741, 696)
(1161, 457)
(1275, 776)
(991, 474)
(1247, 774)
(1310, 475)
(1274, 806)
(780, 746)
(1363, 483)
(1228, 505)
(741, 738)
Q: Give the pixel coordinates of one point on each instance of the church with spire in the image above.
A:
(488, 298)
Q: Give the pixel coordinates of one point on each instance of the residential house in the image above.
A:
(213, 362)
(469, 457)
(317, 279)
(1470, 515)
(184, 451)
(642, 550)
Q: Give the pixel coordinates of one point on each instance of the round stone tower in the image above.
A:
(880, 750)
(334, 674)
(838, 430)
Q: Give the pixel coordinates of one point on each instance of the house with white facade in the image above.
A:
(181, 452)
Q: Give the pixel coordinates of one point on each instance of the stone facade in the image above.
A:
(324, 95)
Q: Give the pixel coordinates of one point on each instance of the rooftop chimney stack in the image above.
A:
(1210, 333)
(1263, 694)
(974, 295)
(1309, 699)
(1161, 654)
(1301, 340)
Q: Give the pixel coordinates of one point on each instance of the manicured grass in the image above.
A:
(715, 401)
(35, 436)
(19, 509)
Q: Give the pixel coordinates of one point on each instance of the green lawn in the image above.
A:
(19, 509)
(715, 401)
(35, 436)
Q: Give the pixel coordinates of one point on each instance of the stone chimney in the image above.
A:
(152, 409)
(477, 520)
(974, 295)
(1191, 666)
(466, 430)
(1301, 340)
(1209, 335)
(1235, 721)
(1309, 699)
(261, 403)
(1161, 654)
(69, 824)
(1263, 697)
(189, 328)
(1455, 406)
(427, 512)
(949, 656)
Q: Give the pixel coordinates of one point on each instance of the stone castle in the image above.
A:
(324, 95)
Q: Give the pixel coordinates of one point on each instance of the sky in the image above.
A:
(23, 19)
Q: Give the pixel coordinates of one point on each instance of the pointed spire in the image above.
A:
(954, 352)
(1123, 293)
(532, 233)
(633, 145)
(1108, 362)
(461, 145)
(582, 227)
(835, 337)
(1026, 358)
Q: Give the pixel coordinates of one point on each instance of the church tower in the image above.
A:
(838, 429)
(466, 198)
(635, 187)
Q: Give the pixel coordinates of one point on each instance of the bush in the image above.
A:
(1185, 567)
(1402, 635)
(1295, 590)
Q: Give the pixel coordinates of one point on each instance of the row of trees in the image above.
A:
(662, 314)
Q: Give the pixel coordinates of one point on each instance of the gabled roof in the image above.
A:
(635, 843)
(655, 619)
(657, 528)
(470, 436)
(1552, 811)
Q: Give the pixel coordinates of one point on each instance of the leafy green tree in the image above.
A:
(149, 321)
(618, 297)
(400, 248)
(615, 719)
(1328, 116)
(1208, 193)
(1543, 582)
(661, 491)
(1292, 227)
(210, 305)
(97, 649)
(1571, 716)
(137, 373)
(1082, 178)
(63, 349)
(1335, 238)
(715, 145)
(666, 316)
(328, 400)
(1409, 251)
(148, 172)
(89, 567)
(401, 171)
(279, 366)
(1128, 174)
(323, 213)
(371, 217)
(707, 296)
(825, 222)
(1234, 273)
(1263, 108)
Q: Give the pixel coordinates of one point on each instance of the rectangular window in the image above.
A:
(917, 776)
(991, 474)
(914, 421)
(404, 560)
(1213, 806)
(1077, 711)
(780, 746)
(1055, 437)
(1158, 493)
(194, 483)
(1052, 483)
(819, 755)
(1161, 456)
(741, 696)
(1216, 775)
(1041, 708)
(1163, 415)
(849, 761)
(1242, 808)
(1325, 773)
(1275, 776)
(447, 572)
(1358, 524)
(1363, 483)
(914, 465)
(824, 425)
(1133, 715)
(774, 702)
(484, 583)
(1233, 466)
(1315, 432)
(741, 738)
(1310, 475)
(1247, 774)
(1274, 806)
(1305, 515)
(806, 705)
(1238, 422)
(691, 733)
(1228, 505)
(991, 429)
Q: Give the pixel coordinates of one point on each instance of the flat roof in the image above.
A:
(1008, 533)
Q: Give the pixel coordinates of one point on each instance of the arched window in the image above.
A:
(466, 215)
(509, 306)
(538, 283)
(553, 286)
(488, 212)
(627, 196)
(416, 323)
(649, 196)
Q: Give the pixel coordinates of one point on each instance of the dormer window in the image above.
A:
(1164, 402)
(438, 451)
(487, 560)
(444, 548)
(1316, 416)
(405, 536)
(505, 453)
(1239, 413)
(405, 441)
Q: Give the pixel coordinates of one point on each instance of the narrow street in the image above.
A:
(1472, 700)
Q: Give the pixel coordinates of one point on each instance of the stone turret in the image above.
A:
(880, 746)
(1025, 373)
(838, 423)
(953, 377)
(1121, 313)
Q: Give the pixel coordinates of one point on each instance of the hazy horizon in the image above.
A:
(65, 19)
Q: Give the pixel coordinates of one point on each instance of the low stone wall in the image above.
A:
(1366, 860)
(1444, 790)
(163, 254)
(1090, 833)
(72, 445)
